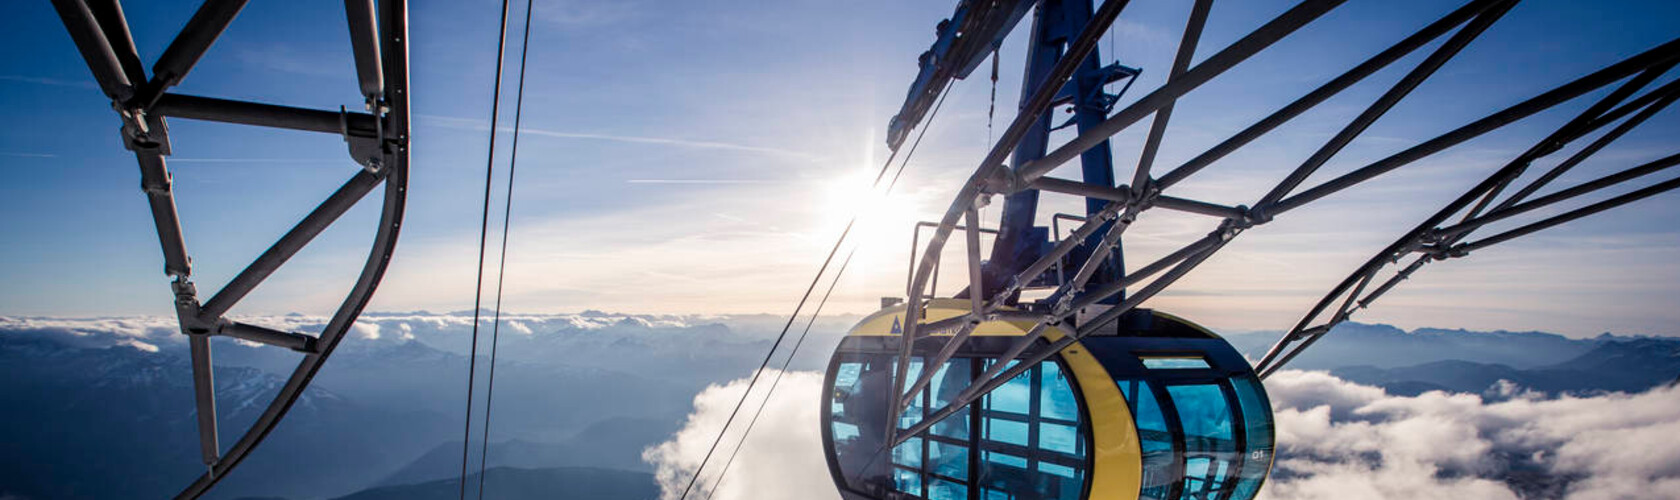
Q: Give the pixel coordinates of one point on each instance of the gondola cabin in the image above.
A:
(1158, 409)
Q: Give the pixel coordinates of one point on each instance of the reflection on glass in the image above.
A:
(1057, 400)
(1005, 472)
(1061, 482)
(1154, 438)
(1013, 396)
(1257, 425)
(949, 460)
(907, 481)
(908, 454)
(1174, 362)
(940, 489)
(1028, 437)
(950, 381)
(912, 414)
(1058, 438)
(845, 432)
(1210, 448)
(1006, 431)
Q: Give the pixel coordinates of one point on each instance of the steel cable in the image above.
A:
(838, 273)
(483, 238)
(838, 243)
(501, 260)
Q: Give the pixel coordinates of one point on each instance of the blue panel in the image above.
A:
(993, 457)
(907, 481)
(847, 374)
(1060, 482)
(844, 431)
(913, 413)
(1205, 414)
(909, 453)
(1006, 431)
(1013, 396)
(954, 426)
(1005, 472)
(1059, 438)
(1057, 399)
(951, 380)
(940, 489)
(948, 459)
(1057, 470)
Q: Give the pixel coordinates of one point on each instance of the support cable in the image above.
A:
(483, 238)
(837, 275)
(778, 380)
(838, 243)
(501, 261)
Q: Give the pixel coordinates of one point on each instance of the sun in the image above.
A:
(881, 222)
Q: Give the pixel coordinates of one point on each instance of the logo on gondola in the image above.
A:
(897, 329)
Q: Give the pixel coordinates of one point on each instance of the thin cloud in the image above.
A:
(28, 155)
(301, 161)
(702, 181)
(474, 124)
(81, 84)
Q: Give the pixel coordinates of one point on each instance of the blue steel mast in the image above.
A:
(974, 31)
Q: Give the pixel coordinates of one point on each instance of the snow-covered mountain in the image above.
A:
(102, 407)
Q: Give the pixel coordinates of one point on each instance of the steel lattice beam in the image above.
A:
(1433, 238)
(377, 141)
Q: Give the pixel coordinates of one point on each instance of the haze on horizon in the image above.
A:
(701, 159)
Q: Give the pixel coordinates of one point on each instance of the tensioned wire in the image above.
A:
(501, 261)
(838, 243)
(483, 238)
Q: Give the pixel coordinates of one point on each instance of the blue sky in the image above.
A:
(700, 157)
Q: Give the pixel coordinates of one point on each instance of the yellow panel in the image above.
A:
(1117, 458)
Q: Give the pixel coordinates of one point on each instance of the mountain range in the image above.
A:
(102, 408)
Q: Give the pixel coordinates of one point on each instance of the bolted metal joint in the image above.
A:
(1451, 252)
(1257, 215)
(144, 132)
(1002, 181)
(159, 185)
(367, 151)
(1230, 229)
(187, 309)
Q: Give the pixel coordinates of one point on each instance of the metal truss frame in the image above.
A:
(377, 139)
(1437, 238)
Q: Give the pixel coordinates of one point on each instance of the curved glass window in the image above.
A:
(1155, 438)
(1210, 445)
(1022, 441)
(1202, 438)
(1257, 426)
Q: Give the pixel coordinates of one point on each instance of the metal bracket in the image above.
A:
(144, 132)
(187, 308)
(369, 152)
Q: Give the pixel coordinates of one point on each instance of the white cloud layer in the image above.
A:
(782, 459)
(1338, 440)
(1343, 440)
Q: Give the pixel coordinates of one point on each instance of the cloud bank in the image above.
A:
(782, 459)
(1343, 440)
(1337, 440)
